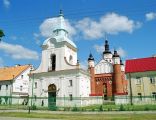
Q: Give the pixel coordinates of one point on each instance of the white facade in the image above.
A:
(59, 68)
(15, 88)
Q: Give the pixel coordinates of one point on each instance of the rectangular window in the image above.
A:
(70, 97)
(152, 80)
(21, 88)
(154, 95)
(138, 80)
(35, 84)
(6, 87)
(70, 83)
(0, 87)
(140, 96)
(21, 76)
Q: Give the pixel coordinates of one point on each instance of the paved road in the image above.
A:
(15, 118)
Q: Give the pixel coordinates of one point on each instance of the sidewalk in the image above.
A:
(79, 112)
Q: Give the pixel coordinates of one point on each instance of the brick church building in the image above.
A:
(108, 75)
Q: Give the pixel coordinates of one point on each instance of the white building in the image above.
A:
(14, 82)
(59, 74)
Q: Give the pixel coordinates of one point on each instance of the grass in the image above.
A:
(78, 116)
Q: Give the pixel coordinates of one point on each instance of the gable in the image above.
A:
(103, 67)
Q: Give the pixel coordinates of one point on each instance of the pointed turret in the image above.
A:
(116, 57)
(107, 55)
(90, 60)
(92, 72)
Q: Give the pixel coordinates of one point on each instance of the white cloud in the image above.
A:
(121, 52)
(111, 23)
(48, 25)
(37, 38)
(99, 48)
(6, 3)
(150, 16)
(18, 51)
(1, 62)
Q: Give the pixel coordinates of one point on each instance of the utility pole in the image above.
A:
(130, 90)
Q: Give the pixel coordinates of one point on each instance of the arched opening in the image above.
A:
(70, 59)
(53, 62)
(52, 96)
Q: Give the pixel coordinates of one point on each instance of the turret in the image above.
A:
(92, 72)
(90, 61)
(116, 58)
(122, 66)
(118, 86)
(107, 55)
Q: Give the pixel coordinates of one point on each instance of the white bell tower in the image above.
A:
(58, 51)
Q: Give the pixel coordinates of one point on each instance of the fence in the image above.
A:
(76, 103)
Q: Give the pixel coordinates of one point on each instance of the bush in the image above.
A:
(75, 109)
(121, 108)
(100, 108)
(33, 107)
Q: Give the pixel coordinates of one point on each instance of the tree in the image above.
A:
(1, 34)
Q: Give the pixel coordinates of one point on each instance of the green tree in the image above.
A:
(1, 34)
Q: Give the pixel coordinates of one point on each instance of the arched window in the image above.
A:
(70, 59)
(53, 62)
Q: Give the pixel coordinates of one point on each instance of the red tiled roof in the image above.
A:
(141, 65)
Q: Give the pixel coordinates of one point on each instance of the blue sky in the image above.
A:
(130, 26)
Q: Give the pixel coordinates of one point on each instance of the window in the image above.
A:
(140, 96)
(138, 80)
(21, 88)
(0, 87)
(53, 62)
(70, 59)
(21, 76)
(70, 83)
(70, 97)
(154, 95)
(152, 80)
(6, 87)
(35, 84)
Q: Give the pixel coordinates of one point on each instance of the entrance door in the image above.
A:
(52, 97)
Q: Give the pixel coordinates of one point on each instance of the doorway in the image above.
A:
(52, 97)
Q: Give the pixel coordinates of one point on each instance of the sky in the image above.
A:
(129, 26)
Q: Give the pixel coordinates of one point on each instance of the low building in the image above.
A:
(14, 82)
(141, 74)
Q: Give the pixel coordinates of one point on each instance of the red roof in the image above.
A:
(141, 65)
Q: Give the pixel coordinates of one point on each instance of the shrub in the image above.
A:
(75, 109)
(100, 108)
(121, 108)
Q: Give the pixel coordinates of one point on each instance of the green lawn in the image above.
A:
(78, 116)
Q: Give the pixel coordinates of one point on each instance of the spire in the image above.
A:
(106, 47)
(61, 13)
(115, 54)
(90, 57)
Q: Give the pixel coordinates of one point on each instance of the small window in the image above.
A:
(0, 87)
(6, 87)
(35, 84)
(140, 96)
(70, 97)
(138, 80)
(152, 80)
(154, 95)
(21, 76)
(21, 88)
(70, 83)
